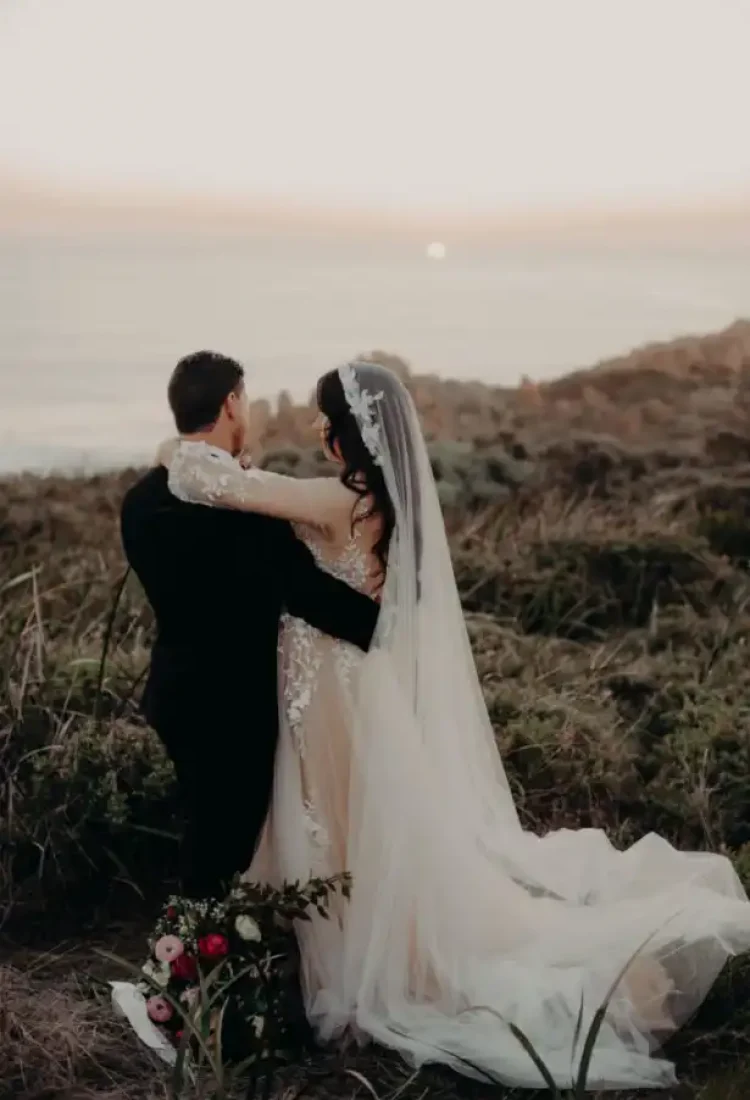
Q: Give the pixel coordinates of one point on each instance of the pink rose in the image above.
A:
(168, 948)
(213, 946)
(159, 1010)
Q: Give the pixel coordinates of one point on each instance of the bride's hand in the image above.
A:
(166, 451)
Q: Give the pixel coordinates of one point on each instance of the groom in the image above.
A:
(218, 582)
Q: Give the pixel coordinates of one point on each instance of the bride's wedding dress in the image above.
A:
(460, 922)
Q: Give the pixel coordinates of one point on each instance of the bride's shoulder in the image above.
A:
(332, 490)
(357, 507)
(335, 506)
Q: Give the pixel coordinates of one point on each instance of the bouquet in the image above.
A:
(223, 976)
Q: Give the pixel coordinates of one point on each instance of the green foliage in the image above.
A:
(610, 642)
(610, 632)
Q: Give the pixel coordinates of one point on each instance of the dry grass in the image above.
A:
(56, 1040)
(609, 625)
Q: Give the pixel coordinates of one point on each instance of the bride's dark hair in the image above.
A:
(360, 472)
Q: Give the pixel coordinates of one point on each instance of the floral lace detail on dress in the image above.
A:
(302, 656)
(302, 649)
(316, 832)
(351, 565)
(300, 644)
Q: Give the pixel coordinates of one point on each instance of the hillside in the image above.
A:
(669, 423)
(687, 390)
(606, 592)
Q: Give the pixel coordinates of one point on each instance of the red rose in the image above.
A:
(213, 946)
(171, 912)
(184, 967)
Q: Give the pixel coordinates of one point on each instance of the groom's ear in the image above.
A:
(232, 404)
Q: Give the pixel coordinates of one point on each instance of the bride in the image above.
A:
(460, 923)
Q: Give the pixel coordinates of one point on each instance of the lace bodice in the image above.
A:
(302, 648)
(352, 564)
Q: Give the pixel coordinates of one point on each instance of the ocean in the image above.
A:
(92, 323)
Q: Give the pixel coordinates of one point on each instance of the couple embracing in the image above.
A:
(313, 683)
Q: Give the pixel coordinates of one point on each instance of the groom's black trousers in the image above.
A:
(223, 749)
(225, 810)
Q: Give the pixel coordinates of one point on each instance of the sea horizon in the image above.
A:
(91, 323)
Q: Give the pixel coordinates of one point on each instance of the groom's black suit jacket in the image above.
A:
(218, 582)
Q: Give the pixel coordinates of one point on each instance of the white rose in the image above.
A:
(246, 928)
(157, 972)
(258, 1023)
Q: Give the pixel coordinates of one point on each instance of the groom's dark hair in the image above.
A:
(199, 386)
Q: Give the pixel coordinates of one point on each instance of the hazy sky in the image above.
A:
(467, 104)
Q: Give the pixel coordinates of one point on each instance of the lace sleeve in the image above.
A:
(203, 476)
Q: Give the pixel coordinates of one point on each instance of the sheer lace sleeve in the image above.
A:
(200, 474)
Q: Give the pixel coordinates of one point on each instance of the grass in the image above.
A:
(609, 625)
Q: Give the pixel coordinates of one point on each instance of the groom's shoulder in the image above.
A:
(150, 499)
(152, 486)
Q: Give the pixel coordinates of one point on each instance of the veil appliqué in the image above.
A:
(362, 404)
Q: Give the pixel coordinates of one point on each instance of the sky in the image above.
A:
(460, 105)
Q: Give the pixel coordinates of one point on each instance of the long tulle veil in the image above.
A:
(456, 906)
